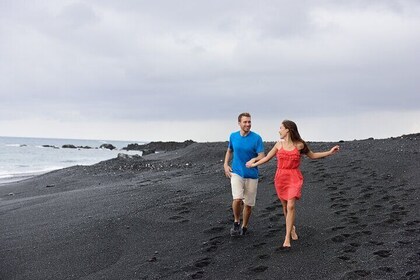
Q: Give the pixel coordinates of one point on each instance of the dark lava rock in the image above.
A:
(68, 146)
(159, 146)
(107, 146)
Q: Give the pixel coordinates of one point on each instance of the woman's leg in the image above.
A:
(294, 234)
(290, 220)
(284, 204)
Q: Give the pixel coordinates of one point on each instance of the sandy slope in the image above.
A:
(167, 216)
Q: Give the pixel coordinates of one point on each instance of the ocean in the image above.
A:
(22, 157)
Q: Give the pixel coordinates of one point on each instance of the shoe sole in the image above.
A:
(234, 233)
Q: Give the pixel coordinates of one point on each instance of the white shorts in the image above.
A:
(244, 188)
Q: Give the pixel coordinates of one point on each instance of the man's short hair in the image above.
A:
(243, 115)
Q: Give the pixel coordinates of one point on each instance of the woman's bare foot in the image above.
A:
(293, 234)
(286, 245)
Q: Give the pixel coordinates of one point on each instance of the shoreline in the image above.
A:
(167, 216)
(13, 178)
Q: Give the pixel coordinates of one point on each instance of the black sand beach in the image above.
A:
(167, 216)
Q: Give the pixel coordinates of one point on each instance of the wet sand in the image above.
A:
(168, 215)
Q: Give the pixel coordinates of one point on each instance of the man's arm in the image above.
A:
(260, 156)
(228, 169)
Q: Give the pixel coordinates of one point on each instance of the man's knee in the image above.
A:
(247, 208)
(237, 203)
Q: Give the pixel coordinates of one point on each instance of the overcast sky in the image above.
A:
(178, 70)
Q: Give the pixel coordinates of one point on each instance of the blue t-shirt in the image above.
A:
(243, 149)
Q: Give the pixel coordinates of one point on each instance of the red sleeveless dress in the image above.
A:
(288, 179)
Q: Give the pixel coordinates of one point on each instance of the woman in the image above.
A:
(288, 179)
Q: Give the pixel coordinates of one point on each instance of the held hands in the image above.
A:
(250, 163)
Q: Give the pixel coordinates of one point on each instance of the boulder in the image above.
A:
(50, 146)
(68, 146)
(125, 156)
(107, 146)
(147, 152)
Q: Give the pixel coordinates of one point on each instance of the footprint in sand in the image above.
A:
(258, 269)
(334, 198)
(386, 269)
(356, 274)
(360, 227)
(179, 219)
(263, 257)
(414, 259)
(389, 221)
(180, 208)
(197, 275)
(274, 218)
(376, 243)
(214, 230)
(368, 189)
(342, 200)
(365, 196)
(349, 249)
(198, 264)
(362, 211)
(202, 262)
(351, 220)
(383, 253)
(332, 188)
(404, 243)
(412, 274)
(264, 215)
(176, 217)
(213, 244)
(259, 245)
(339, 205)
(344, 258)
(272, 233)
(337, 228)
(340, 238)
(271, 208)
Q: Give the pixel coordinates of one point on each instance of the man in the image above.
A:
(244, 145)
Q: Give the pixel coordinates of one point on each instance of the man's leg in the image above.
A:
(246, 214)
(237, 194)
(250, 194)
(236, 207)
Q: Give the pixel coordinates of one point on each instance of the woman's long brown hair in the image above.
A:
(295, 136)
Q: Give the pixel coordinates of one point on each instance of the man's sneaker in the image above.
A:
(243, 231)
(235, 230)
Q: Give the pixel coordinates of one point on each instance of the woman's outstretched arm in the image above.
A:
(317, 155)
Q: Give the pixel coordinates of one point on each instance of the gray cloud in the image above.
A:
(165, 60)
